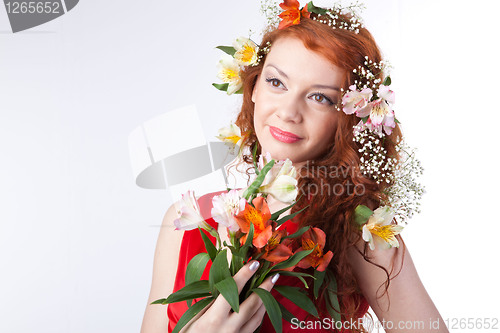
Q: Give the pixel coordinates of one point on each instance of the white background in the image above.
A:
(77, 236)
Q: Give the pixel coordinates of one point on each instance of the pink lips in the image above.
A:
(283, 136)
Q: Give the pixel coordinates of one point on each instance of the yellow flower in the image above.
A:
(380, 230)
(229, 72)
(230, 135)
(246, 51)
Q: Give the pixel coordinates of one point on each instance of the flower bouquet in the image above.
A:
(255, 234)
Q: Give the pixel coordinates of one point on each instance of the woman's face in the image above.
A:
(295, 97)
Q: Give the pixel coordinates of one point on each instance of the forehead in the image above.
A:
(290, 55)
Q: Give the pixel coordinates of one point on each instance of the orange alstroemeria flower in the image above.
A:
(316, 259)
(292, 13)
(274, 251)
(259, 217)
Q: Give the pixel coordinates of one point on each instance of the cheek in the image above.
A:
(325, 130)
(258, 122)
(263, 109)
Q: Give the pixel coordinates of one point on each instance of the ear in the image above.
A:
(254, 91)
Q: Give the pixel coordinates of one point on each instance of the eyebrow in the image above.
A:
(315, 86)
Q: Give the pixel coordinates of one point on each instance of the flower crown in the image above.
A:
(375, 109)
(369, 98)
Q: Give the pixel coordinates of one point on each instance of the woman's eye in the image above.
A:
(320, 98)
(274, 82)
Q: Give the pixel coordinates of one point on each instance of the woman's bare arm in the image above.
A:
(164, 270)
(216, 317)
(406, 302)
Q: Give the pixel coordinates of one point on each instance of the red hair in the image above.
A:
(332, 212)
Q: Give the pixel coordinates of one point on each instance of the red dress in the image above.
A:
(192, 244)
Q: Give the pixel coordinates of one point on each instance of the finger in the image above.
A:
(268, 283)
(255, 321)
(244, 274)
(194, 320)
(254, 300)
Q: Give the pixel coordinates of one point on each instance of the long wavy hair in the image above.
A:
(334, 175)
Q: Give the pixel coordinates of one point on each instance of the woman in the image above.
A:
(290, 109)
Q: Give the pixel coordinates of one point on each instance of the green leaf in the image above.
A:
(298, 275)
(212, 251)
(237, 257)
(254, 159)
(253, 188)
(298, 233)
(397, 121)
(272, 308)
(191, 291)
(362, 214)
(287, 315)
(365, 119)
(160, 301)
(229, 290)
(293, 260)
(264, 267)
(196, 266)
(238, 263)
(228, 49)
(289, 217)
(313, 9)
(221, 86)
(275, 215)
(320, 277)
(219, 270)
(387, 81)
(248, 242)
(298, 298)
(333, 306)
(191, 312)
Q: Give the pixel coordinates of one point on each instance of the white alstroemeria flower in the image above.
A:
(230, 134)
(355, 101)
(380, 231)
(279, 168)
(280, 181)
(263, 160)
(386, 93)
(380, 112)
(229, 72)
(224, 207)
(282, 188)
(189, 214)
(246, 51)
(286, 168)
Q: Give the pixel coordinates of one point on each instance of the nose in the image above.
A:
(290, 109)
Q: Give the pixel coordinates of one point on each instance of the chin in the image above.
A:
(278, 152)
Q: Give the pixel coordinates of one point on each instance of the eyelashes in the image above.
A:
(320, 94)
(272, 80)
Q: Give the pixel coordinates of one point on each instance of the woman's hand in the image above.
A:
(217, 317)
